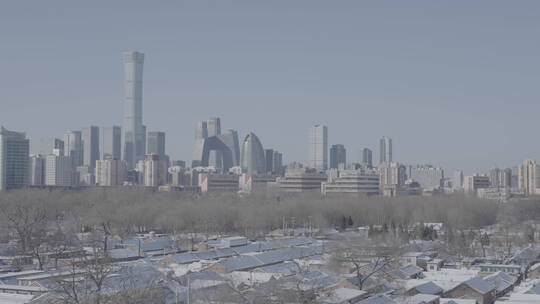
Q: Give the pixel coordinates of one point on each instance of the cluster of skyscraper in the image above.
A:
(106, 156)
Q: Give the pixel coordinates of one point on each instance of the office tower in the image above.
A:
(457, 181)
(500, 178)
(385, 155)
(110, 172)
(156, 144)
(278, 163)
(252, 157)
(429, 177)
(49, 144)
(529, 177)
(58, 169)
(269, 160)
(111, 142)
(201, 130)
(221, 150)
(318, 147)
(367, 158)
(36, 175)
(14, 157)
(201, 133)
(134, 132)
(73, 147)
(90, 141)
(338, 156)
(214, 129)
(152, 170)
(214, 126)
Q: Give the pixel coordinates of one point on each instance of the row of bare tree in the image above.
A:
(124, 211)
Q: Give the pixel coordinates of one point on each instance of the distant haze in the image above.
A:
(453, 83)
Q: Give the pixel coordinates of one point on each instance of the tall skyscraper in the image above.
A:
(73, 147)
(214, 126)
(385, 155)
(156, 144)
(111, 142)
(202, 130)
(14, 157)
(252, 158)
(338, 155)
(49, 144)
(36, 174)
(367, 158)
(318, 147)
(214, 129)
(278, 163)
(221, 151)
(134, 131)
(269, 160)
(90, 141)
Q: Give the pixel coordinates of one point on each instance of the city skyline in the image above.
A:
(450, 85)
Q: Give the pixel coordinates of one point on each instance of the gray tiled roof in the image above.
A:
(480, 285)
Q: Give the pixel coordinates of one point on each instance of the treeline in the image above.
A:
(125, 211)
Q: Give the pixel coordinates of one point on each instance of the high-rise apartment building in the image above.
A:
(73, 147)
(392, 174)
(111, 142)
(134, 141)
(110, 172)
(156, 144)
(367, 158)
(36, 175)
(338, 156)
(90, 141)
(385, 150)
(152, 171)
(529, 177)
(59, 170)
(318, 147)
(500, 178)
(14, 157)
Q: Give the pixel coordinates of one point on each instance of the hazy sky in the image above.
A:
(454, 83)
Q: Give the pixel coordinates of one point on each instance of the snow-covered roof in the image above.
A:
(342, 295)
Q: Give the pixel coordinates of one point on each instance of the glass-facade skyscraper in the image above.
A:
(14, 158)
(134, 132)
